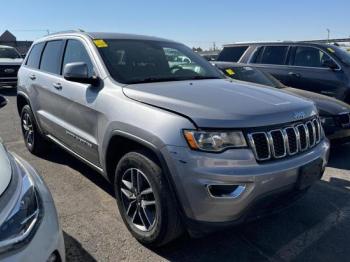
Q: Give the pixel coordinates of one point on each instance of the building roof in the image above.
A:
(7, 36)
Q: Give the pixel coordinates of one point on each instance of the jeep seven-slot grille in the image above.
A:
(286, 141)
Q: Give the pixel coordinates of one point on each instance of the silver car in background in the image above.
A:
(29, 228)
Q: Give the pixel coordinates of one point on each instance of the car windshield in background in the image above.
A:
(144, 61)
(343, 55)
(11, 53)
(249, 74)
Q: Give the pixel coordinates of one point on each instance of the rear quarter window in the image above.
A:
(232, 54)
(33, 59)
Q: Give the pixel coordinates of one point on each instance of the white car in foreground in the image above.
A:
(29, 228)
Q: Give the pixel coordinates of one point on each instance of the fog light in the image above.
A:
(226, 191)
(54, 257)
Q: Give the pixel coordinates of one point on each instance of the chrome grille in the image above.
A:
(287, 141)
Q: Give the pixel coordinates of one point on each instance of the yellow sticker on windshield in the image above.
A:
(230, 72)
(330, 50)
(100, 43)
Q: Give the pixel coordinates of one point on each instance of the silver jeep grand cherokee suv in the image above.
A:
(184, 147)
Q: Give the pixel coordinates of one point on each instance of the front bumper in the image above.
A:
(48, 238)
(193, 171)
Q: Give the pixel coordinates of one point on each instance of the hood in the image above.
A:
(9, 61)
(326, 105)
(220, 103)
(5, 170)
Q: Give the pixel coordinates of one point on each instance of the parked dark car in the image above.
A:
(334, 114)
(320, 68)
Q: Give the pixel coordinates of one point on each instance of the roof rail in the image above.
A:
(67, 31)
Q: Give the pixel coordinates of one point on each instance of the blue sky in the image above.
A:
(196, 23)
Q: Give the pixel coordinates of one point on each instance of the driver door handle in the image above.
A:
(294, 74)
(58, 86)
(32, 77)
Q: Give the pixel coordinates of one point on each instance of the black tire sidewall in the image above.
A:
(154, 176)
(26, 109)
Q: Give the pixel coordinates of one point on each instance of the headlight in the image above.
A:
(23, 219)
(327, 121)
(215, 141)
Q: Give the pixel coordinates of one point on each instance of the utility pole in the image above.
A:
(214, 46)
(328, 34)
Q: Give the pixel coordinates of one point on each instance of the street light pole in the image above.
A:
(328, 34)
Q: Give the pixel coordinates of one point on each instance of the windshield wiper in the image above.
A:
(154, 79)
(203, 77)
(166, 79)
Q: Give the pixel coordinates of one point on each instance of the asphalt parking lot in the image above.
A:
(316, 228)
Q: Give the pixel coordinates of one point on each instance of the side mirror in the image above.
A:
(3, 101)
(330, 64)
(79, 72)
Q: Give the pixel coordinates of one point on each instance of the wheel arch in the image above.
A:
(136, 143)
(22, 100)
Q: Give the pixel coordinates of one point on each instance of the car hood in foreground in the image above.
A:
(5, 170)
(326, 105)
(9, 61)
(220, 103)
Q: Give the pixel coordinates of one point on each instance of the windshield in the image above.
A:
(253, 75)
(143, 61)
(343, 55)
(6, 52)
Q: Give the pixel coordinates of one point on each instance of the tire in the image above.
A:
(162, 223)
(33, 139)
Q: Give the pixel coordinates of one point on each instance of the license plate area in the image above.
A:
(309, 173)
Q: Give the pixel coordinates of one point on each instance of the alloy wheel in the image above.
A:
(138, 199)
(28, 129)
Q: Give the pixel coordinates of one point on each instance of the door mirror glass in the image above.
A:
(78, 72)
(329, 63)
(3, 101)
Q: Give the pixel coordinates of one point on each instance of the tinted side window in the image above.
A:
(310, 57)
(275, 55)
(51, 59)
(33, 59)
(232, 54)
(76, 52)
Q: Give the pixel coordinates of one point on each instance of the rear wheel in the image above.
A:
(34, 140)
(144, 200)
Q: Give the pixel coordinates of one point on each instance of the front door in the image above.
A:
(307, 72)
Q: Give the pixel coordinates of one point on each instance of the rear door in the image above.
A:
(307, 71)
(272, 59)
(49, 108)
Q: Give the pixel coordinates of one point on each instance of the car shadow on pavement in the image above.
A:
(340, 157)
(74, 251)
(8, 91)
(60, 156)
(315, 228)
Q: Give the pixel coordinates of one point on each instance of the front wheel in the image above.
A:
(144, 200)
